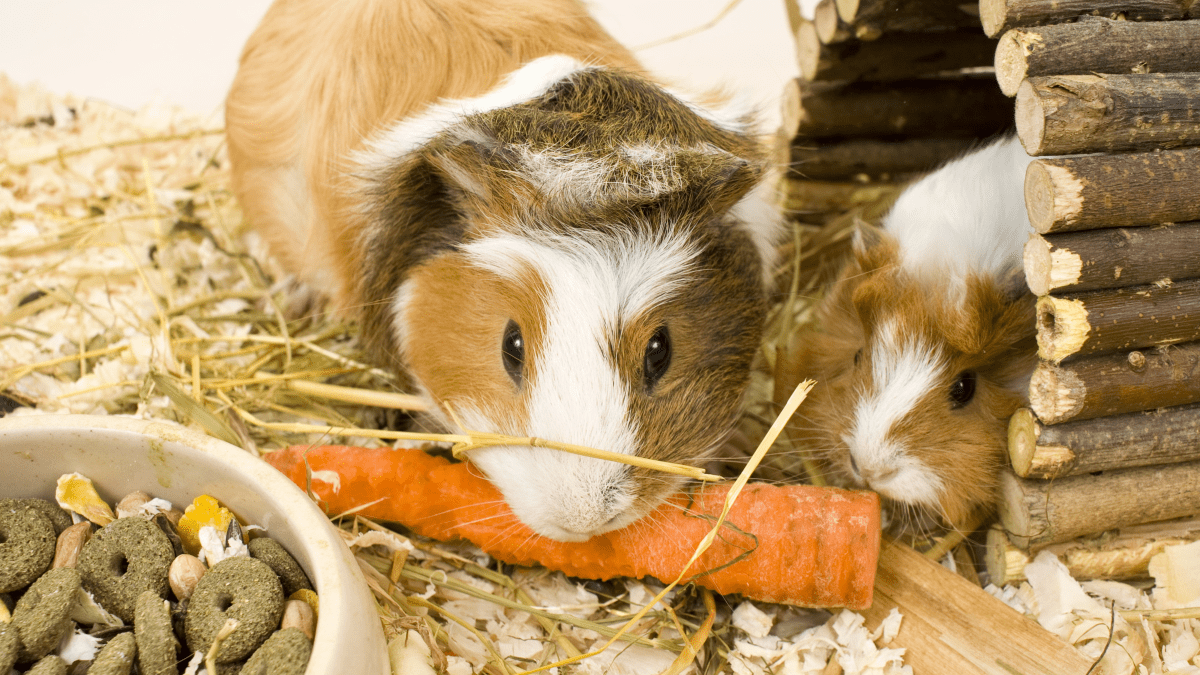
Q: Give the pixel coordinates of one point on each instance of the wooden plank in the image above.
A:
(1116, 554)
(871, 18)
(953, 627)
(1112, 258)
(875, 159)
(967, 107)
(1036, 512)
(1146, 438)
(1076, 114)
(1097, 322)
(1064, 194)
(1096, 45)
(998, 16)
(894, 56)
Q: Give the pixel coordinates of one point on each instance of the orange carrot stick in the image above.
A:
(799, 544)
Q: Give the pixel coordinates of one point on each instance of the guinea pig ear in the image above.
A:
(1012, 283)
(478, 173)
(873, 248)
(725, 180)
(865, 237)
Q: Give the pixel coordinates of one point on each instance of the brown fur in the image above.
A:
(317, 79)
(463, 310)
(991, 334)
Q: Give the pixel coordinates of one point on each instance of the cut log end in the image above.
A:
(1062, 328)
(992, 14)
(847, 9)
(1037, 261)
(1049, 268)
(1005, 562)
(1055, 394)
(808, 50)
(1015, 520)
(825, 19)
(1010, 62)
(1053, 196)
(789, 109)
(1031, 119)
(1022, 441)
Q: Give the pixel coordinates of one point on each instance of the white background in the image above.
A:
(129, 51)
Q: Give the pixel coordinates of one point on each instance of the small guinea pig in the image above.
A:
(542, 239)
(925, 344)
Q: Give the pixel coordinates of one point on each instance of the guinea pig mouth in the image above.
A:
(567, 498)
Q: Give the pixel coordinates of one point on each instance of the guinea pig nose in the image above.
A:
(854, 466)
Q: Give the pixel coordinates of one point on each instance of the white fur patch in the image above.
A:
(904, 372)
(524, 84)
(760, 216)
(578, 395)
(968, 216)
(735, 113)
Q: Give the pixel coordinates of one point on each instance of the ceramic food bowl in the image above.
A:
(123, 454)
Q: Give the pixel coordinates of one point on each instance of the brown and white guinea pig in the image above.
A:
(924, 346)
(545, 241)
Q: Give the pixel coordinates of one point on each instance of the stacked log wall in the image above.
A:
(1108, 97)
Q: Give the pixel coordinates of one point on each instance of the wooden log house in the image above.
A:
(1107, 96)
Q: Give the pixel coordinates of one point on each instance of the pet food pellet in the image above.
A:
(123, 560)
(184, 574)
(298, 614)
(58, 517)
(290, 573)
(77, 494)
(132, 503)
(204, 511)
(70, 543)
(116, 657)
(27, 547)
(51, 665)
(240, 588)
(10, 647)
(156, 643)
(168, 528)
(311, 598)
(43, 614)
(284, 653)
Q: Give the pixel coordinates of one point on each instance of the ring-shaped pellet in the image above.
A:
(124, 559)
(27, 541)
(43, 614)
(116, 657)
(286, 652)
(59, 518)
(239, 588)
(291, 575)
(156, 643)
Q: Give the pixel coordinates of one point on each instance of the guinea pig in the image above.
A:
(924, 346)
(543, 240)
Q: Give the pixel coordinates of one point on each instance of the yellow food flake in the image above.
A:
(76, 493)
(203, 511)
(309, 597)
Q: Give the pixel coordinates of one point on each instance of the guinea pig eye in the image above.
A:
(658, 357)
(963, 389)
(512, 351)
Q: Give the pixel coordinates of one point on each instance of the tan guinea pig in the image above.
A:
(925, 345)
(541, 238)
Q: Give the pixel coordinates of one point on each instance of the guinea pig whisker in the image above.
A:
(472, 505)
